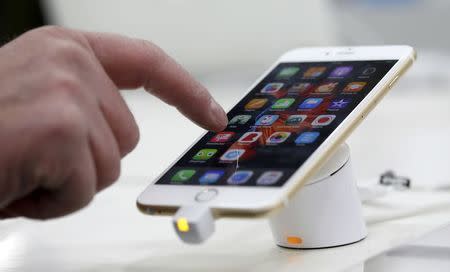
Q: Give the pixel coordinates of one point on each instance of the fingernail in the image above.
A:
(219, 116)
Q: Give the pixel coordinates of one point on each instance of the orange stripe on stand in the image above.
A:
(294, 240)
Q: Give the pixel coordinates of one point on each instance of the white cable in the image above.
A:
(372, 195)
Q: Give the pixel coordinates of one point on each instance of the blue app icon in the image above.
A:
(310, 103)
(211, 176)
(307, 137)
(240, 177)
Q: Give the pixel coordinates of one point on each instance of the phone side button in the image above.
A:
(206, 195)
(393, 81)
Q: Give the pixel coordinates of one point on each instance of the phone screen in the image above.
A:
(275, 128)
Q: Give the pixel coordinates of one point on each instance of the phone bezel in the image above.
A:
(257, 201)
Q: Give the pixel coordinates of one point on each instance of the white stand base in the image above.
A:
(326, 212)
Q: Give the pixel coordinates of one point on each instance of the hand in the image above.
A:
(64, 126)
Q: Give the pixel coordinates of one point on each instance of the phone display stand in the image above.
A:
(326, 212)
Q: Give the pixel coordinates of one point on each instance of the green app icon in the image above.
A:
(204, 154)
(183, 175)
(283, 103)
(287, 72)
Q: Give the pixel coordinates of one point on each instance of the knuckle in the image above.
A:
(133, 137)
(60, 45)
(69, 52)
(84, 192)
(82, 201)
(130, 139)
(115, 169)
(64, 88)
(108, 167)
(66, 122)
(60, 48)
(156, 55)
(55, 33)
(111, 174)
(62, 83)
(49, 30)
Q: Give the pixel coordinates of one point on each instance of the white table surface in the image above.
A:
(111, 235)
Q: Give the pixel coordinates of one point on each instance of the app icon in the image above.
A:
(183, 175)
(256, 103)
(232, 154)
(283, 103)
(211, 176)
(326, 87)
(310, 103)
(278, 137)
(266, 120)
(299, 88)
(240, 119)
(307, 137)
(222, 137)
(287, 72)
(294, 120)
(250, 137)
(272, 88)
(269, 178)
(354, 87)
(240, 177)
(314, 71)
(368, 71)
(341, 71)
(204, 154)
(341, 103)
(323, 120)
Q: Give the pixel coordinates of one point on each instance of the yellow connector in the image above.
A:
(182, 224)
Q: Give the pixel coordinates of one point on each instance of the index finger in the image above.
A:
(133, 63)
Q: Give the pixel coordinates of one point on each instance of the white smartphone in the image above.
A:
(289, 122)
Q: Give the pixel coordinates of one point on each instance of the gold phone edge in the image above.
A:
(237, 213)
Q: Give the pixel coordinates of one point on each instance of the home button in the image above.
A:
(206, 195)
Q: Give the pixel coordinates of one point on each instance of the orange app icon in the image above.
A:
(256, 103)
(354, 87)
(315, 71)
(326, 87)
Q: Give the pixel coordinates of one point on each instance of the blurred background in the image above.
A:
(228, 44)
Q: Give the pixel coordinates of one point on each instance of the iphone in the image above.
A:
(282, 130)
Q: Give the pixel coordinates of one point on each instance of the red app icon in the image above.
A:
(250, 137)
(222, 137)
(323, 120)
